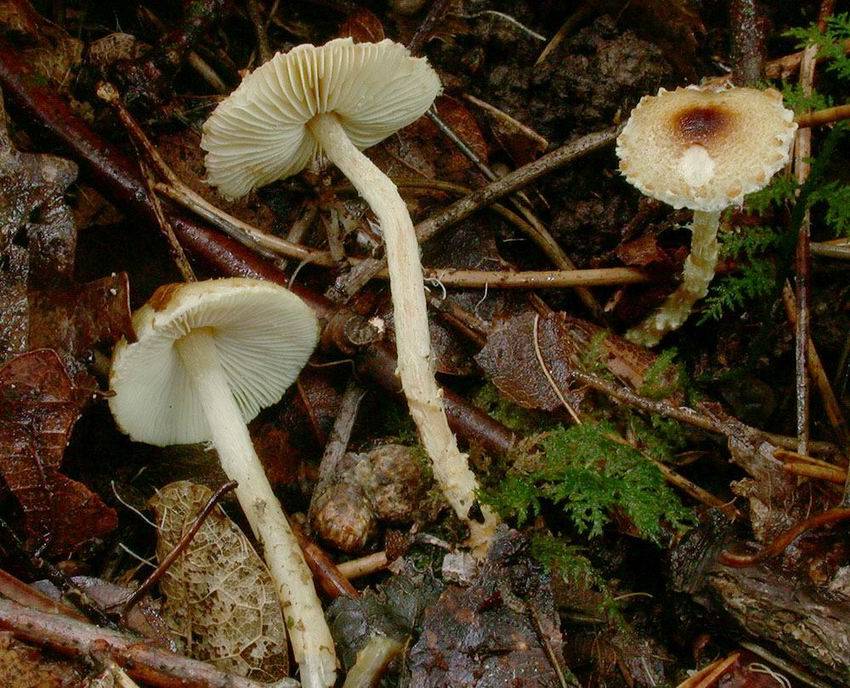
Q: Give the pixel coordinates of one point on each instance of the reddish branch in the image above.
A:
(783, 541)
(153, 666)
(117, 177)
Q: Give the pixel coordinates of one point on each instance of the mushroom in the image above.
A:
(702, 148)
(338, 99)
(208, 356)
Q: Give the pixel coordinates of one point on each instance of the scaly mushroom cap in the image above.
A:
(264, 335)
(260, 134)
(705, 148)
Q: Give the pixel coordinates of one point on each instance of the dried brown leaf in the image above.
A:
(39, 405)
(220, 601)
(363, 27)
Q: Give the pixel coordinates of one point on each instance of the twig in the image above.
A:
(109, 94)
(260, 31)
(426, 28)
(832, 407)
(20, 592)
(341, 431)
(329, 578)
(480, 198)
(133, 598)
(784, 540)
(539, 354)
(826, 116)
(571, 22)
(521, 203)
(707, 676)
(364, 566)
(540, 279)
(830, 474)
(151, 665)
(696, 492)
(44, 569)
(747, 42)
(784, 67)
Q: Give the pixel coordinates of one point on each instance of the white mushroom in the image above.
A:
(208, 356)
(338, 99)
(705, 149)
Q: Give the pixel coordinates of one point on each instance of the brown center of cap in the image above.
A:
(701, 124)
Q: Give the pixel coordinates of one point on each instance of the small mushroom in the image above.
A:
(702, 148)
(208, 356)
(338, 99)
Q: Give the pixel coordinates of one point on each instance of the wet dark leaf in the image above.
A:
(511, 362)
(39, 405)
(363, 27)
(499, 632)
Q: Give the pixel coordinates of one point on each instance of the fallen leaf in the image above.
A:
(39, 405)
(499, 632)
(511, 362)
(363, 27)
(220, 602)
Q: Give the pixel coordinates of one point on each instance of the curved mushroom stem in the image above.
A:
(413, 342)
(311, 639)
(697, 275)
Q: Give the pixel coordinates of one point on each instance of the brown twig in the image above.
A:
(41, 568)
(364, 566)
(329, 578)
(785, 67)
(151, 665)
(17, 591)
(815, 367)
(539, 279)
(784, 540)
(341, 431)
(818, 118)
(747, 42)
(426, 28)
(521, 203)
(480, 198)
(185, 539)
(707, 676)
(259, 30)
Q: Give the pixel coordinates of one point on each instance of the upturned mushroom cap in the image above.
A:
(260, 134)
(705, 148)
(264, 335)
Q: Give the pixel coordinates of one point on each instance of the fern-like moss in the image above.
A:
(586, 472)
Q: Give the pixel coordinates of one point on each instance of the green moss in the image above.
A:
(512, 416)
(591, 476)
(664, 377)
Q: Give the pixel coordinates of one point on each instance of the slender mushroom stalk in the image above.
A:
(209, 356)
(308, 630)
(339, 99)
(702, 148)
(413, 340)
(697, 274)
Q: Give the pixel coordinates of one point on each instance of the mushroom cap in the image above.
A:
(705, 148)
(259, 133)
(264, 335)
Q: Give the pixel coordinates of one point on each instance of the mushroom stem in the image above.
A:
(311, 639)
(696, 276)
(413, 341)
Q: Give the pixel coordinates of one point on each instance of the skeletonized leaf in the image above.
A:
(220, 601)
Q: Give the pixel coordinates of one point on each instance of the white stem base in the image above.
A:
(413, 341)
(697, 275)
(312, 644)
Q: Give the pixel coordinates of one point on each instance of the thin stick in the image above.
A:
(148, 664)
(711, 673)
(44, 569)
(426, 28)
(341, 431)
(784, 67)
(329, 578)
(108, 93)
(826, 116)
(259, 30)
(831, 405)
(20, 592)
(364, 566)
(783, 541)
(696, 492)
(185, 539)
(521, 203)
(539, 354)
(484, 196)
(540, 279)
(830, 474)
